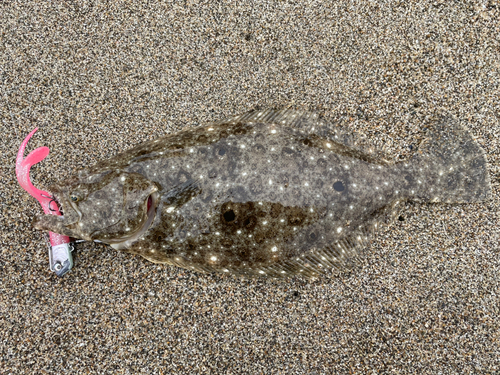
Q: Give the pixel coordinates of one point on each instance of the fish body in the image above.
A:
(273, 193)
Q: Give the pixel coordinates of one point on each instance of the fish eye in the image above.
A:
(74, 198)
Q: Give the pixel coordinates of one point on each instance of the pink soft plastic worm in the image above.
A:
(23, 176)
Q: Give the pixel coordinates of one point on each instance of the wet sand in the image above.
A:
(98, 79)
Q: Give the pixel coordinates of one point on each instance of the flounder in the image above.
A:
(266, 193)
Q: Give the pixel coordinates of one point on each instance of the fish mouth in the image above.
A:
(62, 224)
(150, 206)
(69, 211)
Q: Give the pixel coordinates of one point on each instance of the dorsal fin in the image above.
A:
(310, 123)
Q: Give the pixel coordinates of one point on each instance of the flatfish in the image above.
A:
(265, 193)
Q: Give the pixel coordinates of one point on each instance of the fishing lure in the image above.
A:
(60, 258)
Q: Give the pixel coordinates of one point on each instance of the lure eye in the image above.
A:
(74, 198)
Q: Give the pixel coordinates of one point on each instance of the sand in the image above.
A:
(98, 78)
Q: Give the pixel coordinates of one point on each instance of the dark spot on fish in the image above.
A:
(338, 186)
(401, 218)
(307, 142)
(296, 294)
(222, 151)
(250, 222)
(312, 236)
(229, 216)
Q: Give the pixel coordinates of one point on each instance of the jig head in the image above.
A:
(60, 257)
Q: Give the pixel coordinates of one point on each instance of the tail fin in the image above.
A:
(452, 164)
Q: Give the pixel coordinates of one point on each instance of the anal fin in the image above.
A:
(340, 256)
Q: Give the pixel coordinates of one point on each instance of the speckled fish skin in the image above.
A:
(273, 193)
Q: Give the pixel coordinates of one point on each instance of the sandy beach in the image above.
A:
(98, 77)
